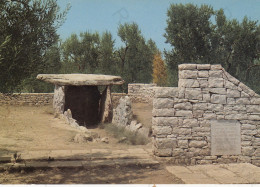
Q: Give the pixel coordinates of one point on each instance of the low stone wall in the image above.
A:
(141, 93)
(27, 99)
(210, 118)
(41, 99)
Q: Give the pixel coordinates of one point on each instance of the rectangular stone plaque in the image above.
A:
(225, 137)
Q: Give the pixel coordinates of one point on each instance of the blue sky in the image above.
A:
(150, 15)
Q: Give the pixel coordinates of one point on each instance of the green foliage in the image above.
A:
(202, 35)
(95, 53)
(136, 56)
(27, 31)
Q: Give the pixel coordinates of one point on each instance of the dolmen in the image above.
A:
(79, 93)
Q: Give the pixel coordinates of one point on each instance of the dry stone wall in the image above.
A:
(27, 99)
(41, 98)
(211, 117)
(141, 93)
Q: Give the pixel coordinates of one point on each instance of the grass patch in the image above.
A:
(125, 135)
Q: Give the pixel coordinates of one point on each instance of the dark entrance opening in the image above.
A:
(83, 101)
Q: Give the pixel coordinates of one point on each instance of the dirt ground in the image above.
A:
(143, 113)
(35, 128)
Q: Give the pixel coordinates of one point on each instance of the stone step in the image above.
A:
(80, 164)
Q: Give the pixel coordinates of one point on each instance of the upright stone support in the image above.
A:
(59, 99)
(106, 108)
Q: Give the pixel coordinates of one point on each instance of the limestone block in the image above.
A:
(231, 101)
(181, 92)
(183, 106)
(188, 83)
(190, 123)
(239, 107)
(193, 93)
(163, 152)
(183, 113)
(230, 78)
(216, 82)
(204, 129)
(243, 101)
(203, 66)
(257, 152)
(144, 131)
(59, 99)
(187, 66)
(253, 108)
(183, 143)
(236, 116)
(167, 112)
(181, 131)
(203, 83)
(221, 91)
(246, 89)
(200, 106)
(218, 99)
(246, 143)
(248, 127)
(178, 152)
(255, 101)
(206, 97)
(81, 79)
(216, 73)
(165, 121)
(162, 130)
(249, 132)
(233, 93)
(216, 67)
(198, 113)
(244, 94)
(247, 151)
(256, 142)
(188, 74)
(203, 74)
(197, 144)
(215, 107)
(246, 137)
(163, 92)
(254, 117)
(160, 103)
(209, 115)
(164, 143)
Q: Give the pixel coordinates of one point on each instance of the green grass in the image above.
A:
(120, 132)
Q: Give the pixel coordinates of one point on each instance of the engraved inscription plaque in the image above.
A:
(225, 137)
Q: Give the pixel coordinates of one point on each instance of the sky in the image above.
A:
(150, 15)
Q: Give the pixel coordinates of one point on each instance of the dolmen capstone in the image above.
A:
(80, 94)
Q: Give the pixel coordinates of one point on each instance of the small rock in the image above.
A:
(105, 140)
(22, 171)
(82, 138)
(121, 140)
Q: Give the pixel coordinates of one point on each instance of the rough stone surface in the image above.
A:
(81, 79)
(205, 93)
(143, 93)
(59, 99)
(123, 115)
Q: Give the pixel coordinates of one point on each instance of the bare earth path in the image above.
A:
(36, 134)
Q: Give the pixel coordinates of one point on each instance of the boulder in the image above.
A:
(81, 79)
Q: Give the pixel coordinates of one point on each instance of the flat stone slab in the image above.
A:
(81, 79)
(225, 137)
(242, 173)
